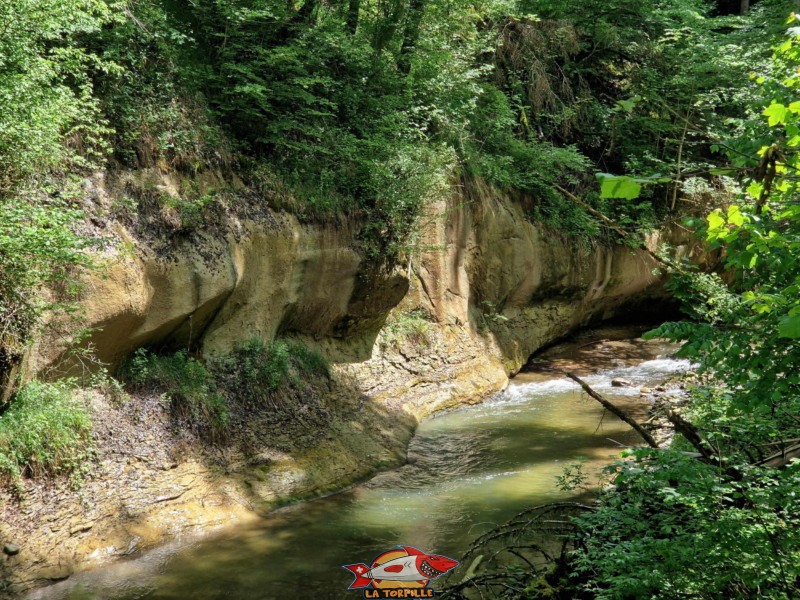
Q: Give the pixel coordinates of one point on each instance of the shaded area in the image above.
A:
(469, 470)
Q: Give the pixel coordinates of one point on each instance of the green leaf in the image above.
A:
(735, 216)
(754, 189)
(789, 327)
(776, 113)
(716, 225)
(618, 186)
(629, 105)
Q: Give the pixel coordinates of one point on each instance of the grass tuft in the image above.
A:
(185, 381)
(46, 431)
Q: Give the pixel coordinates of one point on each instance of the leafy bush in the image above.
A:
(254, 369)
(46, 431)
(256, 364)
(185, 381)
(726, 524)
(51, 124)
(674, 527)
(411, 327)
(38, 246)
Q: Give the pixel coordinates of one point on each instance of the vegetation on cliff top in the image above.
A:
(363, 110)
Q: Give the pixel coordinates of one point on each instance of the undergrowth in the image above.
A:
(255, 369)
(201, 395)
(184, 381)
(45, 432)
(412, 327)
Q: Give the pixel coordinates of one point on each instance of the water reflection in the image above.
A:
(468, 471)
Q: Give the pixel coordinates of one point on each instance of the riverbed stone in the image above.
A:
(621, 382)
(11, 549)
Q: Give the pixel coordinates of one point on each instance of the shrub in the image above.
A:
(46, 431)
(412, 327)
(185, 381)
(255, 368)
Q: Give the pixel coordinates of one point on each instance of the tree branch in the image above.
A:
(617, 411)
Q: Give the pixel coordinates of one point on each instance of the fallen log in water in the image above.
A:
(617, 411)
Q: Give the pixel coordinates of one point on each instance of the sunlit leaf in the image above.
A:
(776, 114)
(614, 186)
(789, 327)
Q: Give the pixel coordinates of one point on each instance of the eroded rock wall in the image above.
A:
(497, 288)
(489, 287)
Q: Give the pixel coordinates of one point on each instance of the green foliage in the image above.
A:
(255, 369)
(308, 361)
(185, 382)
(675, 526)
(325, 105)
(46, 432)
(412, 327)
(152, 98)
(203, 396)
(747, 330)
(45, 88)
(573, 476)
(51, 122)
(38, 245)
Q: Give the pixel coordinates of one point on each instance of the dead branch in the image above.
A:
(692, 435)
(781, 458)
(617, 411)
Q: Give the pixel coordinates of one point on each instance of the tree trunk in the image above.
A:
(744, 6)
(353, 10)
(386, 30)
(307, 10)
(411, 35)
(9, 369)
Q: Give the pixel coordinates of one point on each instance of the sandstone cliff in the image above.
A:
(485, 288)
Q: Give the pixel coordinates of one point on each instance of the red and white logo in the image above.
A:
(402, 568)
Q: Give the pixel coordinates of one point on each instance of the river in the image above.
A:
(468, 470)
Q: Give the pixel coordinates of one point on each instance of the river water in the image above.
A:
(468, 470)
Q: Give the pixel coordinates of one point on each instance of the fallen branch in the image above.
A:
(780, 459)
(692, 435)
(617, 411)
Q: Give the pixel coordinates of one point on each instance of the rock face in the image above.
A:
(489, 290)
(254, 277)
(526, 285)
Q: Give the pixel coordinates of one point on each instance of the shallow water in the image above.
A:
(468, 470)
